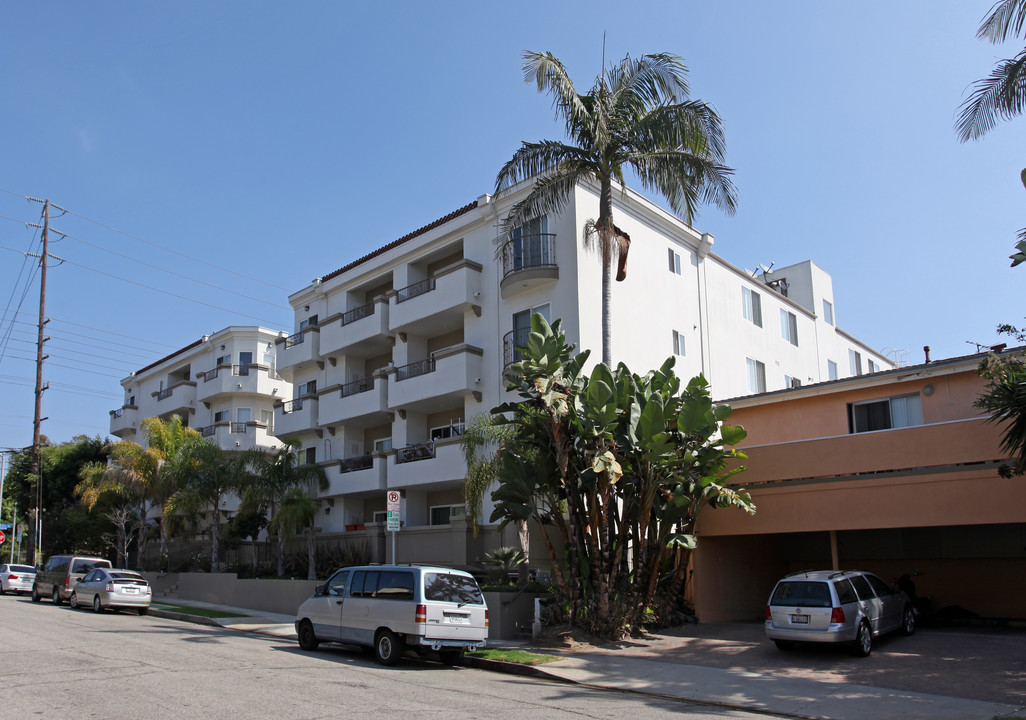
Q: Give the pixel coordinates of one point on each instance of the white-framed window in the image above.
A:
(855, 361)
(382, 445)
(831, 370)
(444, 514)
(307, 388)
(380, 516)
(243, 415)
(756, 376)
(222, 416)
(678, 343)
(224, 360)
(751, 306)
(792, 382)
(310, 456)
(789, 327)
(267, 418)
(873, 367)
(674, 258)
(309, 322)
(530, 244)
(886, 413)
(453, 429)
(828, 312)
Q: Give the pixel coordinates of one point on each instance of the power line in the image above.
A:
(155, 289)
(55, 337)
(106, 332)
(156, 245)
(101, 357)
(72, 367)
(72, 389)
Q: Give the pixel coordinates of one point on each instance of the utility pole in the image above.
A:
(37, 421)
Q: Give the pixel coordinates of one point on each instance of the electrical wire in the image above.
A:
(156, 245)
(106, 332)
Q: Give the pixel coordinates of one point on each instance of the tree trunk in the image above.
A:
(215, 542)
(311, 551)
(607, 246)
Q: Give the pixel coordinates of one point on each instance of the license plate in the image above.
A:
(799, 619)
(130, 590)
(457, 619)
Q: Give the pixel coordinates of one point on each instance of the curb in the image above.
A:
(531, 671)
(184, 617)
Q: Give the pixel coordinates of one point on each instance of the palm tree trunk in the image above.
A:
(215, 541)
(311, 553)
(607, 246)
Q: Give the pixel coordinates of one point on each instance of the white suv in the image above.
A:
(848, 606)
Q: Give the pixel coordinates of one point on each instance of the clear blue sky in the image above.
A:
(283, 140)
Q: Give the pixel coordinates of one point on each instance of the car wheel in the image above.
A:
(36, 597)
(2, 591)
(864, 640)
(307, 637)
(785, 644)
(143, 610)
(908, 621)
(56, 596)
(97, 607)
(387, 648)
(73, 602)
(451, 657)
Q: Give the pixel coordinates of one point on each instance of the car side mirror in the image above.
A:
(321, 589)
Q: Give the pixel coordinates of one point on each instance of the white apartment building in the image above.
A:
(392, 353)
(224, 385)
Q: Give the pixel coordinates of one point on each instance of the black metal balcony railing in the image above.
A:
(240, 369)
(357, 463)
(510, 342)
(412, 291)
(293, 340)
(357, 386)
(421, 367)
(208, 430)
(165, 393)
(238, 428)
(209, 375)
(292, 406)
(358, 313)
(117, 413)
(529, 251)
(413, 453)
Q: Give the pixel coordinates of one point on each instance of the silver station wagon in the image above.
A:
(829, 606)
(103, 588)
(393, 608)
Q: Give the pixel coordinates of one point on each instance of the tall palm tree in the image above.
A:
(277, 474)
(1002, 95)
(212, 475)
(167, 442)
(637, 115)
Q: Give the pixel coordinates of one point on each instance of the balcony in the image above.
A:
(361, 403)
(298, 351)
(178, 399)
(239, 379)
(528, 262)
(295, 417)
(360, 332)
(364, 474)
(448, 376)
(124, 421)
(510, 342)
(439, 463)
(438, 303)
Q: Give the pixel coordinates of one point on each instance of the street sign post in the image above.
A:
(393, 500)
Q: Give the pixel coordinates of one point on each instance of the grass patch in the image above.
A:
(514, 656)
(199, 612)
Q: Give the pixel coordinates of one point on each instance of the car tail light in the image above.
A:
(149, 591)
(486, 617)
(12, 577)
(837, 615)
(109, 587)
(67, 581)
(768, 615)
(421, 616)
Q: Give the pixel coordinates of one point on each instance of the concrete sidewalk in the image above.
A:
(645, 673)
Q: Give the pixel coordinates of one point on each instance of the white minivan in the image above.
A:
(391, 608)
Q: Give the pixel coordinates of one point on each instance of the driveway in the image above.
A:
(976, 664)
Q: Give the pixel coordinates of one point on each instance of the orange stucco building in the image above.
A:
(889, 472)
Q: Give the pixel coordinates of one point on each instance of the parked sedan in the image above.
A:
(112, 588)
(16, 578)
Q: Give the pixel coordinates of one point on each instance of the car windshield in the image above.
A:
(802, 593)
(126, 576)
(21, 569)
(447, 587)
(84, 566)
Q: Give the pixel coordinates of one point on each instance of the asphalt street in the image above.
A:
(58, 662)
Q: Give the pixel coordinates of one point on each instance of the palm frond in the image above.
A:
(547, 72)
(550, 193)
(686, 181)
(649, 81)
(1006, 18)
(1000, 96)
(533, 159)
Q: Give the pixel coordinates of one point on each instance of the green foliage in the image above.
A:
(1005, 399)
(502, 562)
(615, 468)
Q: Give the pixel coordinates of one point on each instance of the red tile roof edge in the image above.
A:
(168, 357)
(396, 243)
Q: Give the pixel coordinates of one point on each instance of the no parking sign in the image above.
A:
(393, 511)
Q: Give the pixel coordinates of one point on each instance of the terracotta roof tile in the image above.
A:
(396, 243)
